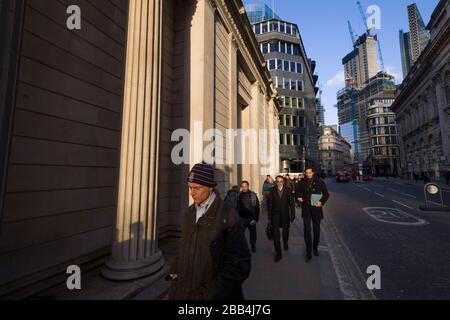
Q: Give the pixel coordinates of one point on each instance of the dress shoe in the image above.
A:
(316, 252)
(308, 258)
(277, 258)
(286, 247)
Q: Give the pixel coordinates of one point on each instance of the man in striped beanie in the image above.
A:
(213, 259)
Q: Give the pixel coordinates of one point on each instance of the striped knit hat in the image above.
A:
(203, 174)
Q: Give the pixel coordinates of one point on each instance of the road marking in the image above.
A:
(435, 203)
(409, 195)
(367, 189)
(379, 194)
(394, 216)
(398, 202)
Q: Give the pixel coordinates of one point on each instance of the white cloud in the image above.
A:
(338, 79)
(392, 71)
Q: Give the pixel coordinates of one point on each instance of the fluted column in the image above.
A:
(135, 252)
(443, 119)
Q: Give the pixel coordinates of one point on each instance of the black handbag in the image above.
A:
(269, 231)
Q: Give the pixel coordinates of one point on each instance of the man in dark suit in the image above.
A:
(281, 213)
(312, 194)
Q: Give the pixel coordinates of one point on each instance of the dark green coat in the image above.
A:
(213, 258)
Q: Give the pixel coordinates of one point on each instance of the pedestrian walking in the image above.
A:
(313, 194)
(290, 183)
(281, 214)
(267, 185)
(232, 197)
(416, 176)
(248, 208)
(213, 259)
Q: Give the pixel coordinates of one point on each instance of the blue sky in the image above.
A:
(323, 26)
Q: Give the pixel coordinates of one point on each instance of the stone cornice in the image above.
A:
(245, 40)
(421, 68)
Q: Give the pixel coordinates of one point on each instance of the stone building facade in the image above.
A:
(87, 174)
(334, 150)
(422, 103)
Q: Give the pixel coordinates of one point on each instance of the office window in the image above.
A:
(283, 47)
(287, 84)
(288, 120)
(289, 48)
(282, 120)
(297, 140)
(274, 47)
(282, 139)
(300, 85)
(294, 85)
(282, 99)
(295, 118)
(289, 140)
(258, 28)
(265, 48)
(264, 27)
(274, 26)
(301, 103)
(285, 65)
(299, 68)
(282, 27)
(301, 122)
(275, 81)
(293, 66)
(296, 50)
(288, 29)
(294, 30)
(272, 64)
(279, 64)
(287, 102)
(294, 102)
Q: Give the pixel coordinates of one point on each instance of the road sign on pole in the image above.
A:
(432, 189)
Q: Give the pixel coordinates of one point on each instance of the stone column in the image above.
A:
(135, 252)
(233, 107)
(443, 119)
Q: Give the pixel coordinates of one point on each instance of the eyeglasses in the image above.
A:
(280, 181)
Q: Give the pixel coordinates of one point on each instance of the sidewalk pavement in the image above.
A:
(290, 279)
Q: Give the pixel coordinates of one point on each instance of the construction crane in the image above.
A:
(364, 17)
(380, 53)
(368, 30)
(352, 34)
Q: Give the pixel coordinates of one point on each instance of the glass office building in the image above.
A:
(258, 12)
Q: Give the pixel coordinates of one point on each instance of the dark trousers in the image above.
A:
(310, 244)
(276, 238)
(251, 229)
(268, 203)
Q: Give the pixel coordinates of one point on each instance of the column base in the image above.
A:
(132, 270)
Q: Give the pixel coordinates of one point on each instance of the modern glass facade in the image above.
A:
(405, 51)
(258, 12)
(350, 132)
(291, 71)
